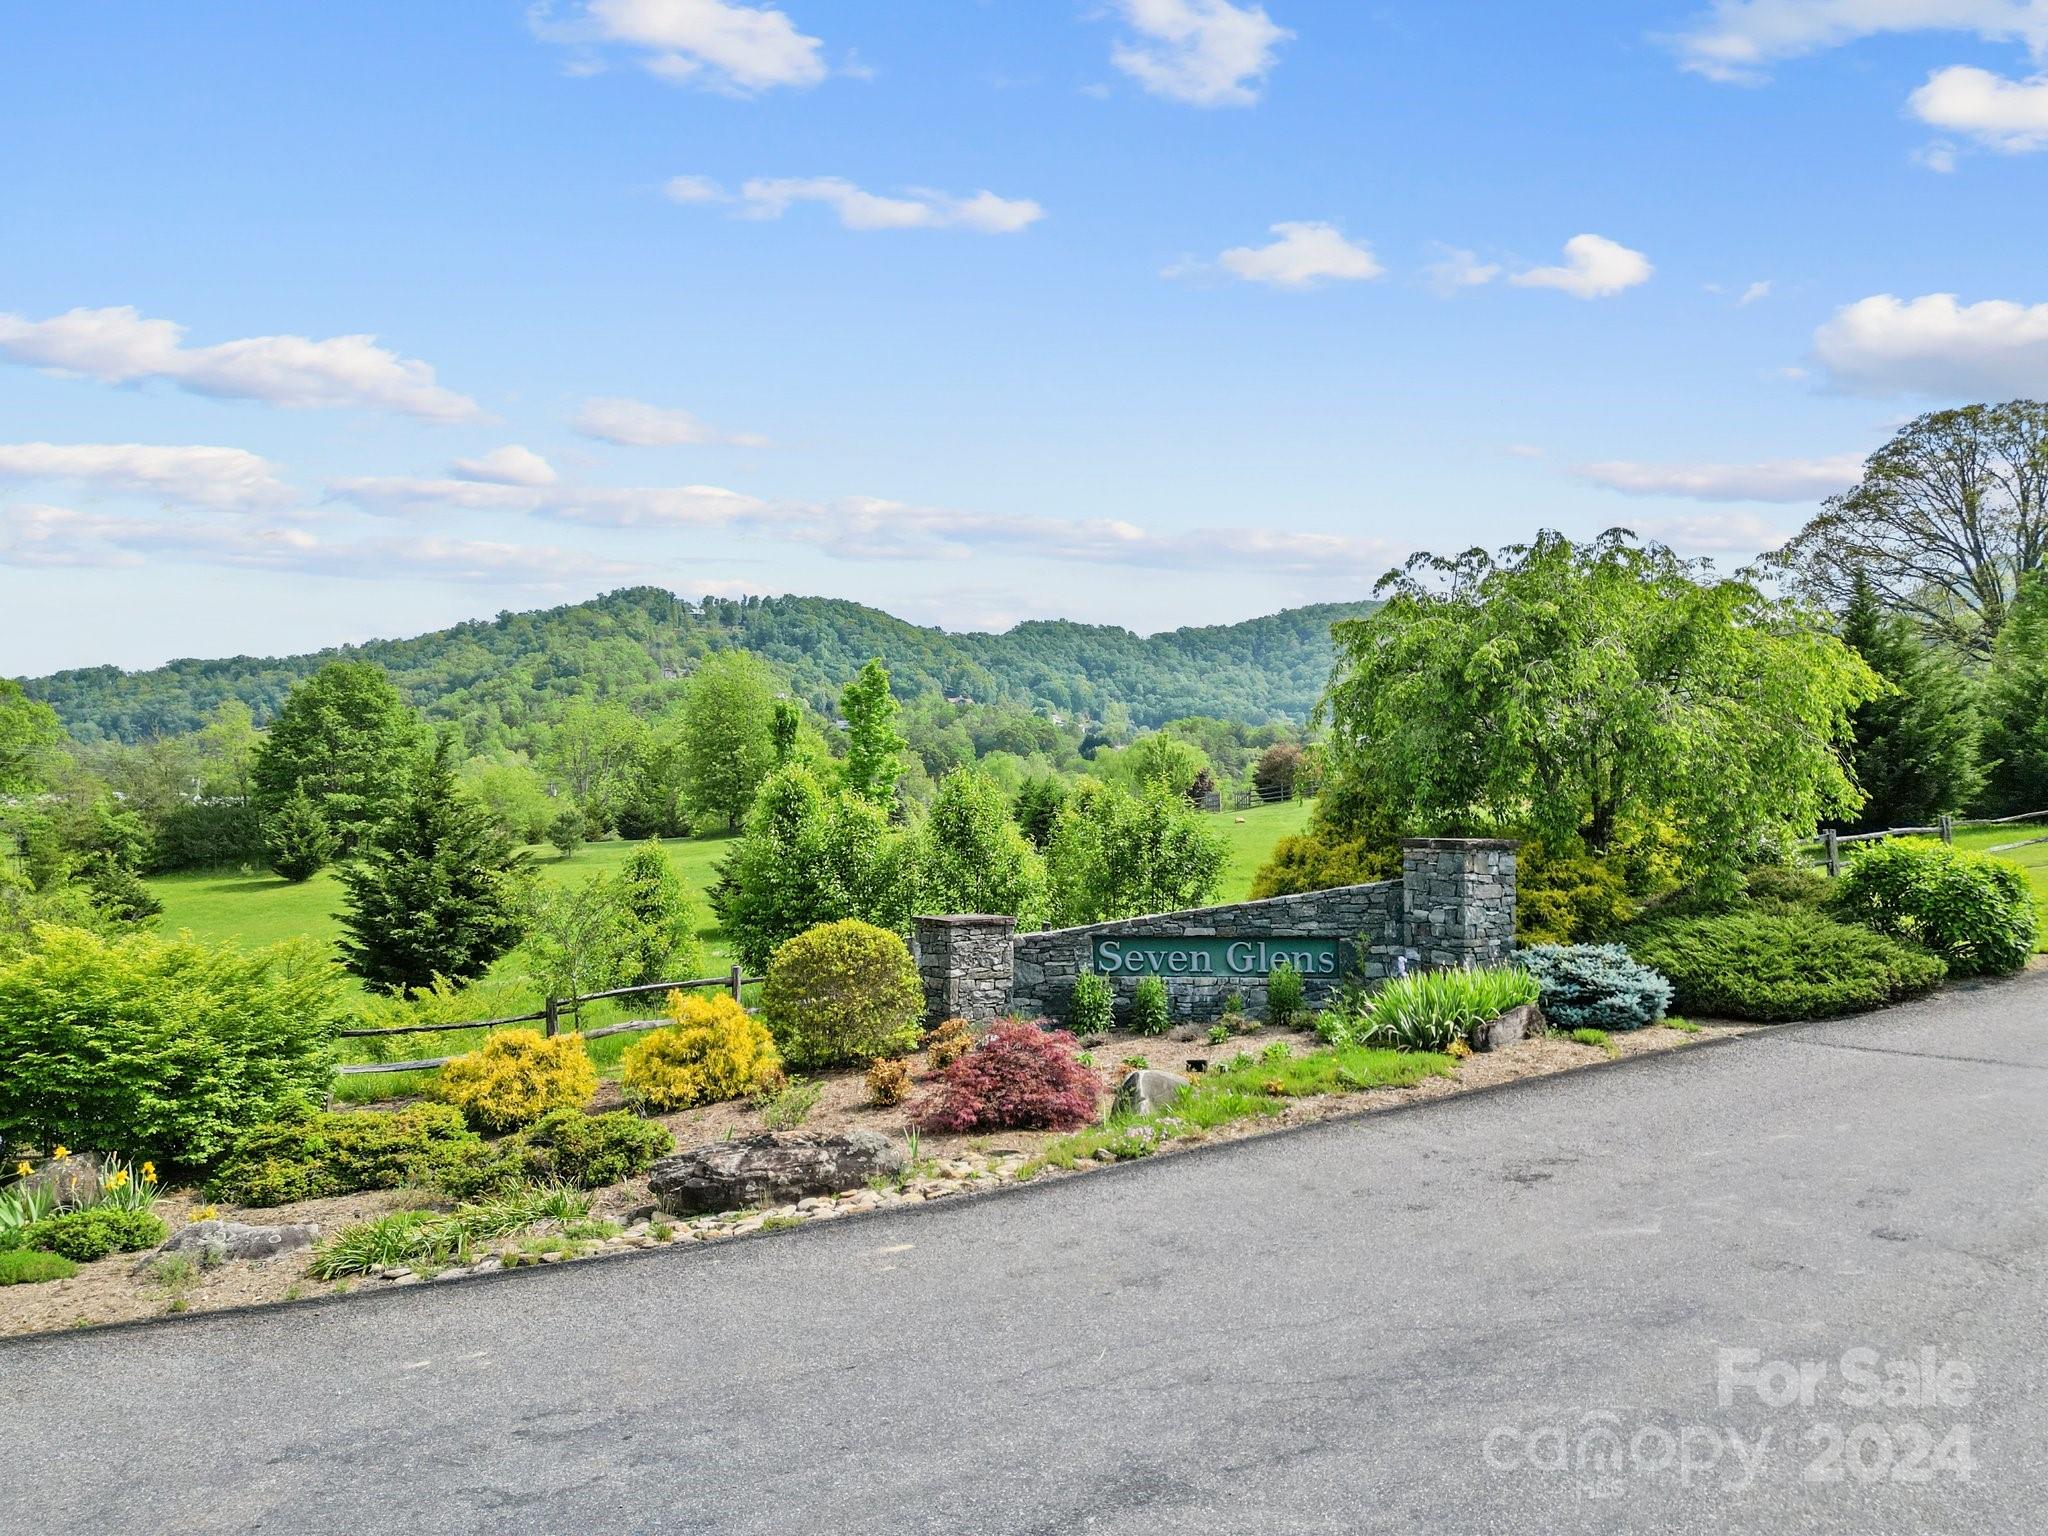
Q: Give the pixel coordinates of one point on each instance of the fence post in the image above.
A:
(1948, 828)
(549, 1010)
(734, 981)
(1834, 855)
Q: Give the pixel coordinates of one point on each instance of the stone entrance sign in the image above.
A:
(1453, 905)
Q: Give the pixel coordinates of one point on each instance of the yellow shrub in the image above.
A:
(888, 1081)
(715, 1050)
(948, 1043)
(517, 1076)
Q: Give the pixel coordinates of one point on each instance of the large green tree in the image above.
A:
(1948, 518)
(29, 737)
(874, 747)
(1916, 744)
(437, 889)
(347, 739)
(1119, 854)
(727, 745)
(1604, 691)
(594, 755)
(811, 855)
(2016, 706)
(973, 858)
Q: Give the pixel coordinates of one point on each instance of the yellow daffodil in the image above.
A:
(148, 1174)
(119, 1180)
(22, 1169)
(60, 1151)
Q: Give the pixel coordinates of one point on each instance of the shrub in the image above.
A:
(93, 1233)
(714, 1051)
(1150, 1012)
(1427, 1010)
(336, 1153)
(517, 1076)
(790, 1105)
(1567, 898)
(1320, 860)
(1773, 966)
(948, 1043)
(1596, 986)
(843, 994)
(20, 1267)
(1091, 1007)
(1283, 995)
(889, 1081)
(590, 1151)
(1787, 885)
(166, 1048)
(1019, 1076)
(1974, 911)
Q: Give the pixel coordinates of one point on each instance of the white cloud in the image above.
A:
(876, 528)
(225, 478)
(1743, 534)
(1735, 40)
(1775, 480)
(635, 424)
(1456, 270)
(1939, 157)
(764, 197)
(1753, 294)
(1934, 345)
(1594, 268)
(1208, 53)
(2009, 115)
(50, 536)
(510, 465)
(1304, 255)
(118, 346)
(741, 49)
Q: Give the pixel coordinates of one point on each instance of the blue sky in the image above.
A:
(1151, 312)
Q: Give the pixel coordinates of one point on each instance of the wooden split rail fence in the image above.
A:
(1832, 842)
(549, 1018)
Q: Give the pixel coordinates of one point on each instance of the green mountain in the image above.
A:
(500, 678)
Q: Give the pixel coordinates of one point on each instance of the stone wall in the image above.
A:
(1454, 904)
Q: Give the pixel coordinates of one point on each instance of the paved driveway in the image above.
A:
(1513, 1312)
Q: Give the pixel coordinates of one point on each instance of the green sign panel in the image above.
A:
(1242, 958)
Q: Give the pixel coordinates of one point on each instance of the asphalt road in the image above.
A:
(1579, 1304)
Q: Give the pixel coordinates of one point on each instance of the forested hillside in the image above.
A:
(501, 678)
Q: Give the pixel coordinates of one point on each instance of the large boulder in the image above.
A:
(1148, 1092)
(213, 1243)
(1515, 1024)
(75, 1179)
(773, 1168)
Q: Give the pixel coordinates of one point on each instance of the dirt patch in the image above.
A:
(112, 1290)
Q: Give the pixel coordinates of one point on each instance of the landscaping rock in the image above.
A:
(216, 1242)
(1148, 1092)
(1511, 1026)
(774, 1168)
(76, 1179)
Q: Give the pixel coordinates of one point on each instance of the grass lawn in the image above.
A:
(1251, 835)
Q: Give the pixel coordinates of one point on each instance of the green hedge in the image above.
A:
(1975, 911)
(1779, 966)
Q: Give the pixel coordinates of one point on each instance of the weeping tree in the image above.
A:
(1949, 517)
(1603, 693)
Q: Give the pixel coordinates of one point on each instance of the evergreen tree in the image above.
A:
(727, 747)
(1040, 800)
(298, 839)
(1916, 746)
(348, 738)
(438, 889)
(874, 748)
(662, 917)
(565, 831)
(2016, 705)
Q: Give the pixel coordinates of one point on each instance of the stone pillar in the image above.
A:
(966, 963)
(1458, 899)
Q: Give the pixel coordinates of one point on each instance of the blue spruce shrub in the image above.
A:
(1596, 986)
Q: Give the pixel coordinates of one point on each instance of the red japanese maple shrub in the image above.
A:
(1017, 1077)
